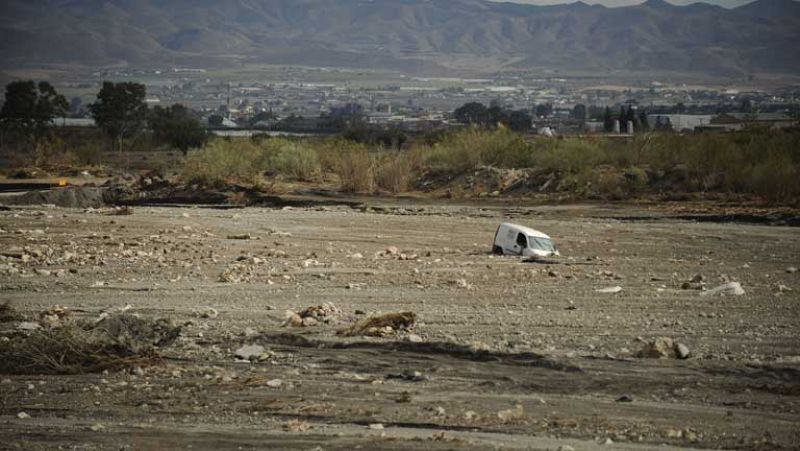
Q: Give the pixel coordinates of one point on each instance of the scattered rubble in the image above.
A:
(311, 316)
(411, 376)
(663, 347)
(515, 413)
(730, 288)
(249, 352)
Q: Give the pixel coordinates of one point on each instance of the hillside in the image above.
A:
(700, 38)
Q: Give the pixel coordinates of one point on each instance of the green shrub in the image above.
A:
(353, 164)
(463, 151)
(393, 172)
(225, 161)
(291, 158)
(569, 155)
(88, 154)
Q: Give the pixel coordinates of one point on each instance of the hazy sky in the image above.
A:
(725, 3)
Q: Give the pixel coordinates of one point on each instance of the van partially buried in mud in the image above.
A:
(513, 239)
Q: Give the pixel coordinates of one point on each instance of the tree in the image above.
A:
(496, 115)
(643, 122)
(30, 108)
(622, 116)
(120, 110)
(544, 110)
(608, 121)
(519, 121)
(176, 126)
(630, 117)
(663, 124)
(472, 113)
(579, 112)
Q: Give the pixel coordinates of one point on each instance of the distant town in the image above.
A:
(323, 101)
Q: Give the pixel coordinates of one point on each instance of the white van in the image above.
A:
(513, 239)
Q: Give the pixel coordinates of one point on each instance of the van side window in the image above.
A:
(522, 241)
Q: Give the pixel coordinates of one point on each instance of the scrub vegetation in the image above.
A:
(764, 163)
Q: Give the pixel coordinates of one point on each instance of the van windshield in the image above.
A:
(541, 244)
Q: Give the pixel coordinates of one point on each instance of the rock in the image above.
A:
(656, 349)
(609, 290)
(607, 441)
(469, 415)
(692, 286)
(97, 427)
(274, 383)
(565, 448)
(681, 351)
(730, 288)
(242, 236)
(292, 319)
(791, 270)
(23, 416)
(391, 250)
(514, 413)
(27, 325)
(413, 338)
(356, 256)
(462, 283)
(248, 352)
(209, 313)
(411, 376)
(297, 426)
(697, 278)
(782, 288)
(439, 411)
(309, 321)
(249, 332)
(625, 398)
(376, 426)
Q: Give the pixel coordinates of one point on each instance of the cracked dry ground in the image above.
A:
(511, 355)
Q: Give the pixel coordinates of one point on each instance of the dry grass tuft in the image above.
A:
(381, 325)
(112, 343)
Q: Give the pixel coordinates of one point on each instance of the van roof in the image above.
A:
(526, 230)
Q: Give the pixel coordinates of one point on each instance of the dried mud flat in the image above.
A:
(504, 354)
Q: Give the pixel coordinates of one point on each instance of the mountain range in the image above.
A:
(424, 35)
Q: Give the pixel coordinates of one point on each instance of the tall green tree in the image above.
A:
(519, 121)
(608, 121)
(544, 110)
(496, 115)
(177, 127)
(630, 117)
(472, 113)
(30, 108)
(579, 112)
(644, 124)
(120, 110)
